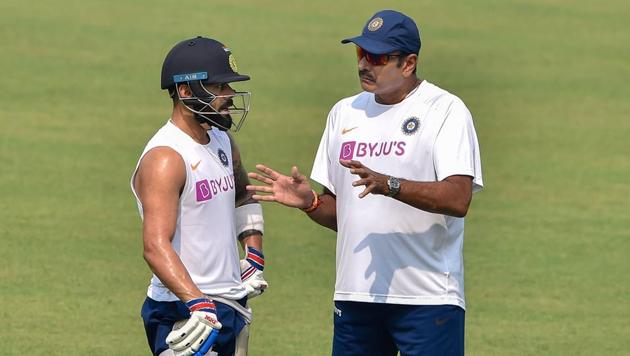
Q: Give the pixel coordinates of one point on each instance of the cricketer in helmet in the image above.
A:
(206, 67)
(189, 184)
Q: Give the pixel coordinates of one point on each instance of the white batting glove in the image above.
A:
(252, 272)
(187, 339)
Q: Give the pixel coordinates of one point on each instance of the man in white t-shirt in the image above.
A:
(189, 184)
(399, 163)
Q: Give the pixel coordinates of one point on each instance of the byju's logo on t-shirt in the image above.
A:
(206, 189)
(347, 150)
(203, 190)
(354, 149)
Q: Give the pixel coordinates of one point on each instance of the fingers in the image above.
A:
(359, 182)
(356, 167)
(296, 175)
(270, 176)
(178, 335)
(369, 186)
(351, 163)
(259, 188)
(193, 333)
(268, 171)
(203, 337)
(361, 172)
(260, 178)
(367, 191)
(264, 197)
(207, 345)
(199, 332)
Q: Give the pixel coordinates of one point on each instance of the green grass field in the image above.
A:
(547, 241)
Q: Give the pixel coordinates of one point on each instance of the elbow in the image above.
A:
(460, 209)
(147, 255)
(460, 212)
(150, 253)
(458, 196)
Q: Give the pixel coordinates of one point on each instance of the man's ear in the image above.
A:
(409, 66)
(184, 91)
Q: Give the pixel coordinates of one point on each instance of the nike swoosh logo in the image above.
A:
(345, 131)
(440, 322)
(194, 166)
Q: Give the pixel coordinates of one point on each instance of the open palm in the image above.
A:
(293, 191)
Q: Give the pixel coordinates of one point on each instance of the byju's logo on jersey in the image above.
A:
(411, 126)
(207, 188)
(354, 149)
(347, 150)
(203, 190)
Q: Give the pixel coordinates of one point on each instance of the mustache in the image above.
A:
(364, 73)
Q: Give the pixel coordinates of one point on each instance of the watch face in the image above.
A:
(394, 185)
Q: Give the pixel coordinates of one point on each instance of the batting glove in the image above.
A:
(188, 338)
(252, 272)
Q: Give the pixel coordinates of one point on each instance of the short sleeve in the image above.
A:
(456, 150)
(321, 166)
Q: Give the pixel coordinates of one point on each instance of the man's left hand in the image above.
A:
(252, 272)
(374, 182)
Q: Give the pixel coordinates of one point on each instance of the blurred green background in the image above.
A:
(547, 241)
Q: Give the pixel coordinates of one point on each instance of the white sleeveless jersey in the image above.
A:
(388, 251)
(205, 237)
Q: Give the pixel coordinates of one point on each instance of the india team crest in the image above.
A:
(223, 157)
(375, 24)
(232, 62)
(411, 126)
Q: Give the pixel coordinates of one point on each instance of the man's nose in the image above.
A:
(363, 63)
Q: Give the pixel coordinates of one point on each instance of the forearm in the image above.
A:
(168, 267)
(242, 196)
(253, 240)
(250, 225)
(326, 213)
(443, 197)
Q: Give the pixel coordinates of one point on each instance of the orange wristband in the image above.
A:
(316, 203)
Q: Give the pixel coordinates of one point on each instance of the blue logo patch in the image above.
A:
(178, 78)
(411, 126)
(223, 157)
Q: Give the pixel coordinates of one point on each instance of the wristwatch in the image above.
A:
(393, 184)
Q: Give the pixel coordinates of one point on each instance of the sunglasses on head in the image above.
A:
(375, 59)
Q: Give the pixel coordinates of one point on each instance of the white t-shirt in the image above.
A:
(205, 235)
(388, 251)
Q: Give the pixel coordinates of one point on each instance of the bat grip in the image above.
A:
(207, 345)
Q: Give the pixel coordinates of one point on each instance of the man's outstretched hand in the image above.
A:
(293, 191)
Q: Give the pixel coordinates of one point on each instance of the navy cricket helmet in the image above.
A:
(198, 61)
